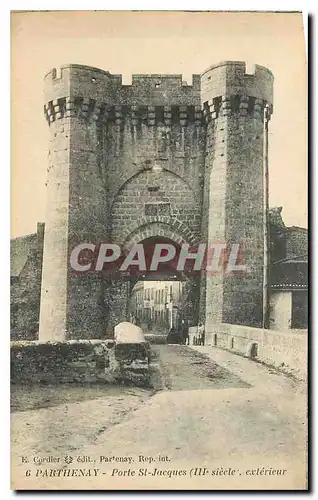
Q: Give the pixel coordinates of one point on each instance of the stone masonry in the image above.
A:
(119, 151)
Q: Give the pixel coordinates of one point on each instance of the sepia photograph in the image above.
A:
(159, 251)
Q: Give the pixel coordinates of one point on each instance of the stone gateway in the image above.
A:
(155, 161)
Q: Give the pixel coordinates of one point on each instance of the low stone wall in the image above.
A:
(86, 361)
(284, 350)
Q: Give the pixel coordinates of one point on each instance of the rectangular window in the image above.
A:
(156, 209)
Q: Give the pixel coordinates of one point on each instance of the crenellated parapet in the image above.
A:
(231, 78)
(221, 90)
(75, 80)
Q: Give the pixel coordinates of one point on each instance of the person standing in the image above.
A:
(185, 331)
(201, 334)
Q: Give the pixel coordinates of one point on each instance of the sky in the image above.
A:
(156, 42)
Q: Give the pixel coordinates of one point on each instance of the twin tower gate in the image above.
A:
(157, 160)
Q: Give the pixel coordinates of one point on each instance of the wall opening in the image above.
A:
(169, 296)
(249, 68)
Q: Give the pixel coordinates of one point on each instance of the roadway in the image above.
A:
(212, 409)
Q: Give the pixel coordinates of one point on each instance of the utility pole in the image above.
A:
(265, 322)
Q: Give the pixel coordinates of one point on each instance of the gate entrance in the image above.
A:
(157, 306)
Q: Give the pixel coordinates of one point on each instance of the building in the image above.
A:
(158, 304)
(288, 275)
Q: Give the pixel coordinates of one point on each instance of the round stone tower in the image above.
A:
(71, 305)
(233, 102)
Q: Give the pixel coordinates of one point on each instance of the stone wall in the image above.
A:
(25, 285)
(87, 361)
(286, 351)
(25, 306)
(296, 242)
(80, 361)
(173, 198)
(139, 144)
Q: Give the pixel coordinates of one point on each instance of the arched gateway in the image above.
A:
(120, 287)
(156, 161)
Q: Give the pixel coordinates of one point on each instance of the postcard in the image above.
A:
(159, 289)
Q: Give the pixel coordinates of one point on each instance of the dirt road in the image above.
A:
(186, 369)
